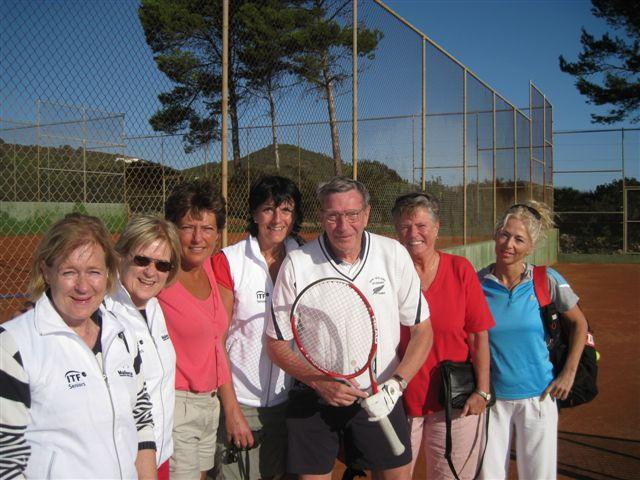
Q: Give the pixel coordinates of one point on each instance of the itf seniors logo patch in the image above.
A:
(261, 297)
(75, 378)
(378, 285)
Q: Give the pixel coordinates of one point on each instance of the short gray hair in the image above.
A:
(342, 185)
(409, 202)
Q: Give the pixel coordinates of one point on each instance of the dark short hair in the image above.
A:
(279, 189)
(409, 202)
(195, 197)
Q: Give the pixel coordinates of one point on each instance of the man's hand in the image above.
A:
(380, 405)
(337, 393)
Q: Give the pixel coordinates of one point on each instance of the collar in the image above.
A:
(254, 247)
(334, 257)
(47, 320)
(121, 299)
(487, 274)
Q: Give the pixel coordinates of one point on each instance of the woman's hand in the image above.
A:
(238, 431)
(561, 385)
(474, 405)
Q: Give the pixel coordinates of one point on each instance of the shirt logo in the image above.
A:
(165, 337)
(377, 285)
(261, 297)
(74, 378)
(124, 373)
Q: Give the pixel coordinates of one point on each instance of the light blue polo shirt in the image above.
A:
(520, 365)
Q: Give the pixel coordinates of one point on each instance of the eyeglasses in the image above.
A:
(352, 216)
(161, 265)
(531, 210)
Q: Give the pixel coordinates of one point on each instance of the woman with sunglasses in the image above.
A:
(460, 319)
(197, 321)
(256, 399)
(521, 371)
(149, 258)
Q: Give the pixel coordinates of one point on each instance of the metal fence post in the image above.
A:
(423, 115)
(225, 108)
(354, 120)
(494, 161)
(464, 157)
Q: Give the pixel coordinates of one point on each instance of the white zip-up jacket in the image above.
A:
(63, 413)
(158, 362)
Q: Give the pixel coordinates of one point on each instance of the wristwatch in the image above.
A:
(401, 381)
(485, 395)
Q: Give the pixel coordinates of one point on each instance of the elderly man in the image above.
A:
(322, 412)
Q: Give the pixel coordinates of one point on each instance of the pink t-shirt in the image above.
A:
(196, 328)
(457, 307)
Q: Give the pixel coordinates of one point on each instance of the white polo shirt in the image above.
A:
(258, 382)
(384, 273)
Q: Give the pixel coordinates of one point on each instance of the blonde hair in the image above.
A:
(143, 230)
(62, 238)
(536, 216)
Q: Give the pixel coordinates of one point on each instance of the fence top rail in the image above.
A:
(444, 52)
(597, 130)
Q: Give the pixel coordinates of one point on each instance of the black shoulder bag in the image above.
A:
(585, 386)
(458, 383)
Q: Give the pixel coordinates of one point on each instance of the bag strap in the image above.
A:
(541, 285)
(448, 441)
(550, 321)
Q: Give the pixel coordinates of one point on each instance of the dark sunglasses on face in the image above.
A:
(161, 265)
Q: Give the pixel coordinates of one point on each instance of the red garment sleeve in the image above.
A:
(222, 271)
(478, 317)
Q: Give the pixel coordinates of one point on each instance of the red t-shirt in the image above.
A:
(457, 307)
(196, 328)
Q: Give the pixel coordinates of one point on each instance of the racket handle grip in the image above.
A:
(396, 445)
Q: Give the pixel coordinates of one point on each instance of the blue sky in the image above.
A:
(507, 43)
(94, 54)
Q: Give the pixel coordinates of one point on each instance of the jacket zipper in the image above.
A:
(155, 345)
(53, 457)
(113, 412)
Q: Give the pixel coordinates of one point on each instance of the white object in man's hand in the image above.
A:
(380, 405)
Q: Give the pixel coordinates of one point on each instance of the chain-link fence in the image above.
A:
(105, 106)
(597, 190)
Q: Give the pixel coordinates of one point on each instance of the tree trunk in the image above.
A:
(235, 128)
(333, 121)
(274, 132)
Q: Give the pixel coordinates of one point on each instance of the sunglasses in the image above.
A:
(531, 210)
(161, 265)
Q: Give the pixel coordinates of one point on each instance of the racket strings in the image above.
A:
(334, 328)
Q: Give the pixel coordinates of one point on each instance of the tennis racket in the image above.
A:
(335, 329)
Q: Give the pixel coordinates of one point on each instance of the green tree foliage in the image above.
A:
(591, 232)
(186, 39)
(608, 68)
(267, 29)
(325, 49)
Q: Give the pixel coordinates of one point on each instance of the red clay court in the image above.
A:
(601, 440)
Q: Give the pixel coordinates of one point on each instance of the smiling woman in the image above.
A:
(149, 251)
(460, 319)
(197, 320)
(525, 383)
(255, 400)
(57, 419)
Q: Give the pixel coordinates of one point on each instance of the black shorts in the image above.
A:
(315, 431)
